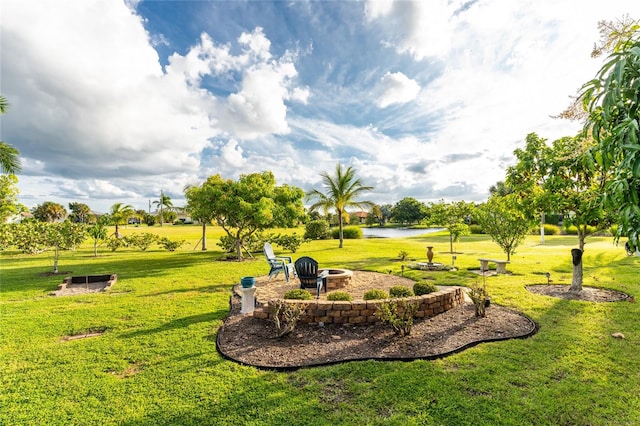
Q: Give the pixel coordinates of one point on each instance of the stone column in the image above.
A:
(248, 300)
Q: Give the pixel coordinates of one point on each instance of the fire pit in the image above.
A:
(338, 278)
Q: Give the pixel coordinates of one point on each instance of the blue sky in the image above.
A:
(114, 101)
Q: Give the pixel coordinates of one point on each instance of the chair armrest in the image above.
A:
(324, 274)
(285, 258)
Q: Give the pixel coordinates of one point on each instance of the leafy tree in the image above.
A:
(408, 210)
(612, 101)
(501, 217)
(49, 212)
(163, 203)
(35, 237)
(340, 192)
(9, 191)
(251, 204)
(375, 216)
(452, 216)
(120, 214)
(500, 189)
(564, 178)
(199, 201)
(98, 231)
(386, 210)
(9, 160)
(80, 213)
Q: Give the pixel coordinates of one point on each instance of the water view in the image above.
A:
(396, 232)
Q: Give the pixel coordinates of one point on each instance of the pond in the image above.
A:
(396, 232)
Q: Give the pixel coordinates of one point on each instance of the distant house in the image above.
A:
(362, 216)
(19, 217)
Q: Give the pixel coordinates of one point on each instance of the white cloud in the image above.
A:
(396, 88)
(232, 153)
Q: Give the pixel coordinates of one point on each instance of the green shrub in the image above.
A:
(375, 294)
(285, 316)
(289, 242)
(298, 294)
(403, 255)
(114, 243)
(400, 291)
(317, 230)
(339, 295)
(348, 233)
(479, 297)
(398, 316)
(551, 229)
(170, 245)
(142, 241)
(476, 229)
(424, 288)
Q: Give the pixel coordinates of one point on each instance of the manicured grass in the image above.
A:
(156, 362)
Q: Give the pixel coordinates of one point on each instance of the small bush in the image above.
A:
(142, 241)
(285, 316)
(348, 233)
(298, 294)
(170, 245)
(317, 230)
(375, 294)
(400, 291)
(479, 297)
(403, 255)
(476, 229)
(399, 316)
(289, 242)
(424, 288)
(339, 295)
(551, 229)
(114, 243)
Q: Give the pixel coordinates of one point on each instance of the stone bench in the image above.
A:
(501, 265)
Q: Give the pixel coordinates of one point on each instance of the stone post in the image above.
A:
(248, 300)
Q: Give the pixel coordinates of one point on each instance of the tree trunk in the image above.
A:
(55, 261)
(204, 235)
(239, 249)
(340, 227)
(542, 228)
(451, 242)
(576, 282)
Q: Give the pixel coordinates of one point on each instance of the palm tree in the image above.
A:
(341, 192)
(9, 161)
(164, 201)
(120, 213)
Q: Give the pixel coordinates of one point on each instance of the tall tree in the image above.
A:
(199, 202)
(500, 189)
(566, 179)
(9, 156)
(409, 210)
(501, 217)
(9, 191)
(163, 203)
(119, 214)
(340, 192)
(452, 216)
(49, 212)
(528, 175)
(80, 212)
(250, 204)
(612, 100)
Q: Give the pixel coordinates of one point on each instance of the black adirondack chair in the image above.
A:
(307, 270)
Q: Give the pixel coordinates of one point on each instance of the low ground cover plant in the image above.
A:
(375, 294)
(400, 291)
(421, 288)
(339, 296)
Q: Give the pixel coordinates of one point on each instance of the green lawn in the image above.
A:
(157, 363)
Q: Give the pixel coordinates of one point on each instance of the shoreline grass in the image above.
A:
(156, 361)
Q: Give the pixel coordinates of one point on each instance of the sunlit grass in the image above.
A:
(156, 361)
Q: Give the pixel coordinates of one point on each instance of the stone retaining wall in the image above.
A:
(363, 311)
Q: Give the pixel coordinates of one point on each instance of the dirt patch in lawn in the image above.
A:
(587, 294)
